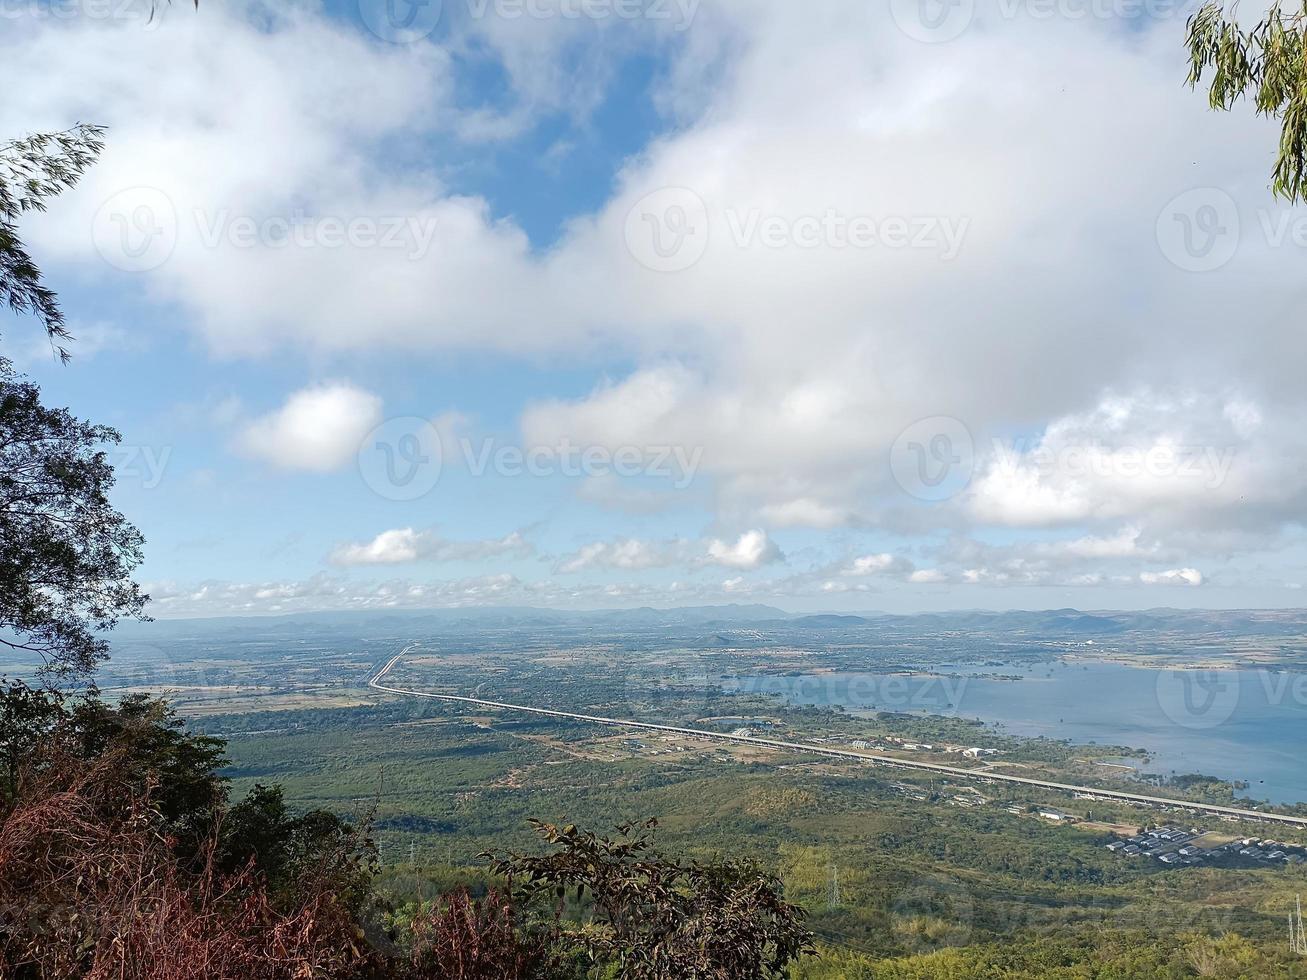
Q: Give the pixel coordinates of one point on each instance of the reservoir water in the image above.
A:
(1248, 725)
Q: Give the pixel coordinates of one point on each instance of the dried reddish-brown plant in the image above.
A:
(90, 888)
(465, 938)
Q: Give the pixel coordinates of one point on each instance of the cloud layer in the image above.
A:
(938, 291)
(318, 429)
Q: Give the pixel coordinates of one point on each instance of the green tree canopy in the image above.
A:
(662, 919)
(66, 555)
(33, 170)
(1265, 64)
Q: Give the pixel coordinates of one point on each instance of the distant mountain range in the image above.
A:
(1048, 622)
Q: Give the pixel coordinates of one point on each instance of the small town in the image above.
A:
(1178, 846)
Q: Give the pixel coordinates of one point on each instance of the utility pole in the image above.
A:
(1297, 937)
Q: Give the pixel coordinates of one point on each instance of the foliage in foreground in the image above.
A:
(33, 170)
(1264, 63)
(66, 556)
(122, 856)
(658, 918)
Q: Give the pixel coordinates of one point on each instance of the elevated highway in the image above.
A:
(376, 682)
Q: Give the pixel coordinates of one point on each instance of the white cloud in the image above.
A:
(806, 512)
(927, 576)
(1183, 459)
(793, 369)
(403, 545)
(626, 553)
(328, 592)
(323, 592)
(1173, 576)
(318, 429)
(876, 564)
(750, 550)
(1125, 543)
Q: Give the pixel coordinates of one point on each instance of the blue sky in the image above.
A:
(698, 302)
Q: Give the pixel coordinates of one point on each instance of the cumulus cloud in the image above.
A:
(795, 436)
(877, 564)
(806, 512)
(1088, 561)
(318, 429)
(924, 576)
(1122, 544)
(793, 368)
(1173, 576)
(625, 553)
(1139, 455)
(322, 592)
(750, 550)
(403, 545)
